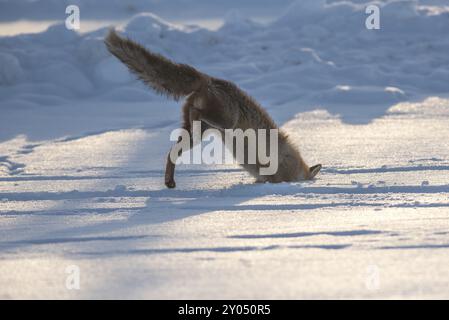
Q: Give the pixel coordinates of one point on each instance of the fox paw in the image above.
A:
(170, 184)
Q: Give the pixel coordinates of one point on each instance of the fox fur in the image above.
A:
(217, 103)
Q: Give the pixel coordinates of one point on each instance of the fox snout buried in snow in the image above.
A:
(216, 104)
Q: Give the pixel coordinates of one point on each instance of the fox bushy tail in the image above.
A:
(164, 76)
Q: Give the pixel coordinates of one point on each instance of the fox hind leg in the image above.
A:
(190, 114)
(211, 113)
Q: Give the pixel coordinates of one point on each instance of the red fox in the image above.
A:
(217, 103)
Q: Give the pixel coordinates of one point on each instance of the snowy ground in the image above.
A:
(82, 150)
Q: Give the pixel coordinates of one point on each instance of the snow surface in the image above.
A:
(83, 144)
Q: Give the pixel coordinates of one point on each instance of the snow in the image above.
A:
(83, 147)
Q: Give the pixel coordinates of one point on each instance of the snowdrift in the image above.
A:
(308, 54)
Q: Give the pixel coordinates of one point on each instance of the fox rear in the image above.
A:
(217, 103)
